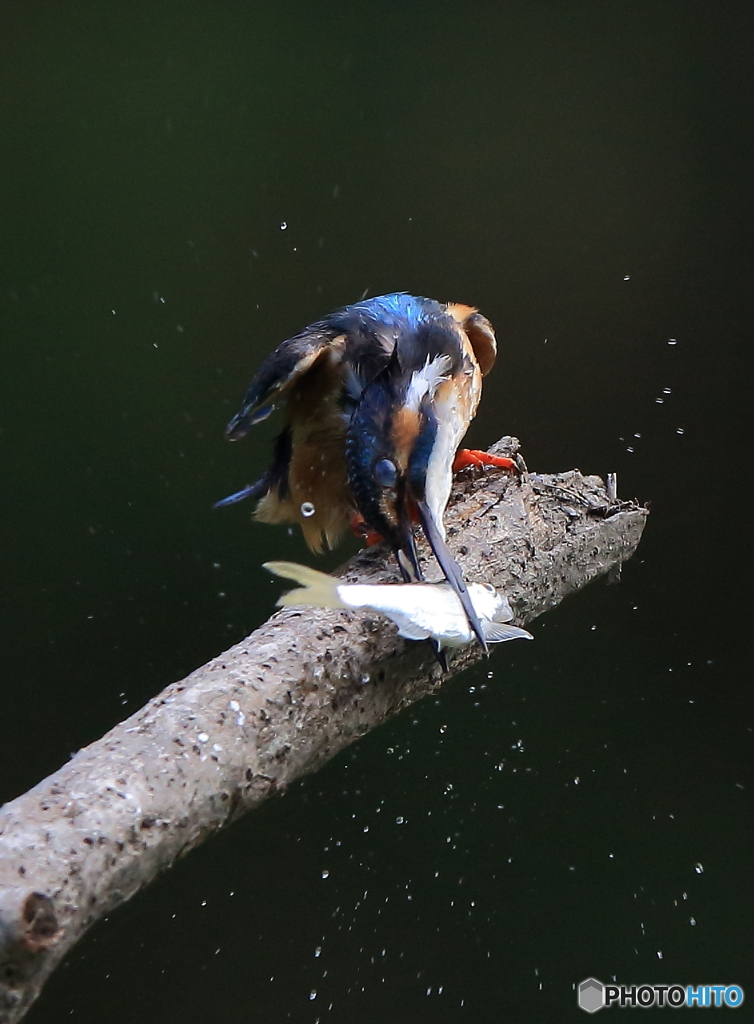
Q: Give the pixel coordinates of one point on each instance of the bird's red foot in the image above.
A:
(474, 457)
(360, 529)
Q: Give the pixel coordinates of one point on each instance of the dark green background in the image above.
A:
(583, 173)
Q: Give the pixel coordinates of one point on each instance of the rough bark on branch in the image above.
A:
(272, 708)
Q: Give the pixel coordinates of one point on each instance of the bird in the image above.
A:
(379, 395)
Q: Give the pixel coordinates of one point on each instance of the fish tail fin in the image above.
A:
(317, 588)
(496, 632)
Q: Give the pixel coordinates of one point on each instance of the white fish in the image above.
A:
(420, 610)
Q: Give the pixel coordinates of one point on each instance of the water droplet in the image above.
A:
(318, 951)
(626, 277)
(680, 430)
(307, 509)
(659, 401)
(659, 954)
(692, 921)
(637, 435)
(399, 820)
(672, 341)
(699, 868)
(666, 391)
(325, 873)
(629, 449)
(443, 728)
(313, 994)
(283, 226)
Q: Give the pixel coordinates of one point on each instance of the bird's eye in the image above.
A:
(385, 473)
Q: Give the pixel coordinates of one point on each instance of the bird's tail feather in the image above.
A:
(257, 490)
(317, 588)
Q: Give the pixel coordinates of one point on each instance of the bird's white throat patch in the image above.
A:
(427, 380)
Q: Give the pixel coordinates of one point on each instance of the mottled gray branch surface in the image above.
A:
(272, 708)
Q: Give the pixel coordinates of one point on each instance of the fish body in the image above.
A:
(421, 611)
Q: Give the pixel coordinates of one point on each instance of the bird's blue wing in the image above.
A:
(287, 364)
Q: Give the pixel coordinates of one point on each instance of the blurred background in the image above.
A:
(186, 184)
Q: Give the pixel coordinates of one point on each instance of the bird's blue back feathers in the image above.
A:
(397, 310)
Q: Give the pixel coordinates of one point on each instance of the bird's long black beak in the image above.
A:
(408, 563)
(451, 568)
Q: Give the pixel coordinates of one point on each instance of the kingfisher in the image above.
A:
(379, 395)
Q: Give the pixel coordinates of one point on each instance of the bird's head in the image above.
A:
(399, 454)
(391, 438)
(377, 461)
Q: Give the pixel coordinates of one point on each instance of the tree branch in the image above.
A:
(272, 708)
